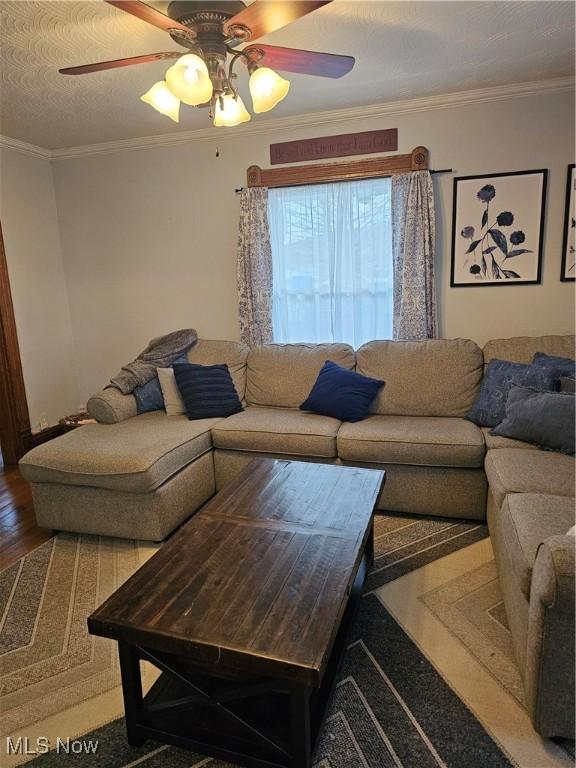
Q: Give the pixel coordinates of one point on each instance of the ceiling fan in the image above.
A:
(211, 30)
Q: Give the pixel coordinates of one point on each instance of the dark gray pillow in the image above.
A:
(546, 371)
(545, 419)
(490, 406)
(567, 384)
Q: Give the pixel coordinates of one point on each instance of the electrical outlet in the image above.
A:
(43, 421)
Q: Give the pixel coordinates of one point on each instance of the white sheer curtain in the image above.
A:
(332, 262)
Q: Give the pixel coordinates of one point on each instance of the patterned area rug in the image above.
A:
(403, 543)
(49, 662)
(471, 607)
(452, 609)
(391, 707)
(378, 719)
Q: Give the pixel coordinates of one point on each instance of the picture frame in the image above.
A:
(498, 229)
(568, 266)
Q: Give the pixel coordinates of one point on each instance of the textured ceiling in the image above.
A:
(403, 50)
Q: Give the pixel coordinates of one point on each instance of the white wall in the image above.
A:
(39, 293)
(149, 236)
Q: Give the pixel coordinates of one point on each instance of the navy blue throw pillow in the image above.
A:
(547, 370)
(149, 396)
(208, 391)
(341, 393)
(490, 406)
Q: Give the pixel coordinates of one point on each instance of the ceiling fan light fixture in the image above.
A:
(230, 111)
(211, 31)
(267, 89)
(163, 101)
(189, 81)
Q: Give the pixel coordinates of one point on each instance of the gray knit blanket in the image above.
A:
(159, 353)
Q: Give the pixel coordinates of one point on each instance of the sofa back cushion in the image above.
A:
(521, 349)
(439, 377)
(231, 353)
(282, 375)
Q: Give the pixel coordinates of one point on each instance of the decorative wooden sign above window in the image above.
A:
(334, 146)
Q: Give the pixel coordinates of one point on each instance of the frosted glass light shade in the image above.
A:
(189, 80)
(267, 88)
(234, 112)
(163, 101)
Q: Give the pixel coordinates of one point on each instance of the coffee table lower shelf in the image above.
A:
(256, 722)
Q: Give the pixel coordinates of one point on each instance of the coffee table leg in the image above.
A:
(301, 736)
(131, 690)
(370, 545)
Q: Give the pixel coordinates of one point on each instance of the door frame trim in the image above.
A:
(14, 416)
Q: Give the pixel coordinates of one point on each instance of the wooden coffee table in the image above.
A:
(245, 611)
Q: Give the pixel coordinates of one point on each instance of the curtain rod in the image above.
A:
(440, 170)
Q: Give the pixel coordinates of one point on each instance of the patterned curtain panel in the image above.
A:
(254, 268)
(413, 252)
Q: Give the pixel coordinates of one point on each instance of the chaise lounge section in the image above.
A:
(130, 476)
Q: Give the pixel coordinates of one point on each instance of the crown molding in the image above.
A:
(24, 148)
(311, 120)
(317, 119)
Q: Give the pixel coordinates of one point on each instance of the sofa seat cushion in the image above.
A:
(495, 441)
(514, 470)
(278, 430)
(136, 455)
(423, 440)
(524, 522)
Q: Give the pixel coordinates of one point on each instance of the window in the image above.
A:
(332, 261)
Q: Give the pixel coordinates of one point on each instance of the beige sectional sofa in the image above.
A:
(530, 507)
(141, 476)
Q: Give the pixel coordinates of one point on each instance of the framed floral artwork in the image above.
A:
(568, 270)
(498, 229)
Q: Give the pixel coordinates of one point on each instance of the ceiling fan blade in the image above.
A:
(86, 68)
(303, 62)
(149, 14)
(265, 16)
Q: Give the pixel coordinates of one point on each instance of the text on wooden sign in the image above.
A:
(346, 144)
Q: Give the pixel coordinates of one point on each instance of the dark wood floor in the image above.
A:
(18, 530)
